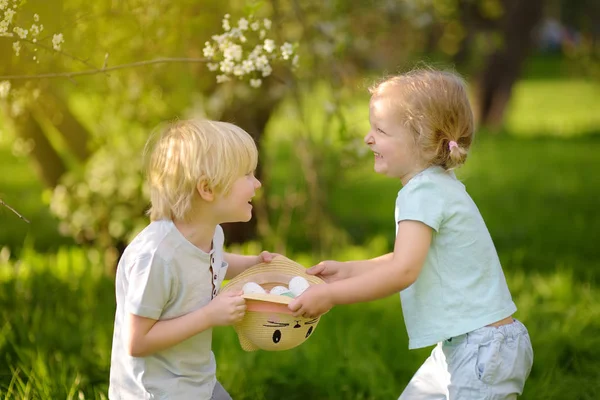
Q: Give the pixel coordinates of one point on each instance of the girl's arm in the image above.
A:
(239, 263)
(391, 276)
(331, 271)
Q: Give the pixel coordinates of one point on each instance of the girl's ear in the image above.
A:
(205, 191)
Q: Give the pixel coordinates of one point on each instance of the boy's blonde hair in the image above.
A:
(434, 105)
(189, 152)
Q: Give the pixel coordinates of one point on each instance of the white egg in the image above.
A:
(279, 290)
(298, 285)
(252, 287)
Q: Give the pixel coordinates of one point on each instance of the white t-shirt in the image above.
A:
(161, 275)
(461, 286)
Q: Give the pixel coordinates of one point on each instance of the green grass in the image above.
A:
(58, 313)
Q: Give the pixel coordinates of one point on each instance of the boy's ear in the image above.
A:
(205, 191)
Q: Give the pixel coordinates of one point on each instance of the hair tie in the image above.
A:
(452, 144)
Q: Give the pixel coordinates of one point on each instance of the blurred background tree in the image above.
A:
(80, 97)
(84, 133)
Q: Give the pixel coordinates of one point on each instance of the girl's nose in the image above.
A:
(257, 183)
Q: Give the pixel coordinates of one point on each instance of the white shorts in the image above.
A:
(490, 363)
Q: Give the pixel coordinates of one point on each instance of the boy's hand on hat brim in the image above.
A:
(266, 257)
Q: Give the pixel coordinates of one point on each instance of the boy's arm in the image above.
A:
(391, 276)
(239, 263)
(147, 336)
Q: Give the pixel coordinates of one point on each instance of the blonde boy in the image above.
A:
(201, 174)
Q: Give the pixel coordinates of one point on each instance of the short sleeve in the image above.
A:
(149, 287)
(420, 201)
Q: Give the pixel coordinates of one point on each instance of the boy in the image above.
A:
(201, 174)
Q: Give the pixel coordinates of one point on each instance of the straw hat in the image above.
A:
(268, 323)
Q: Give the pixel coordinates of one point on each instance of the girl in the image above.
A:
(444, 263)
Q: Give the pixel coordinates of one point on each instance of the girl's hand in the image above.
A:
(226, 309)
(330, 271)
(315, 301)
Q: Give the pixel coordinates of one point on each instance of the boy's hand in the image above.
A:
(330, 271)
(227, 308)
(266, 257)
(315, 301)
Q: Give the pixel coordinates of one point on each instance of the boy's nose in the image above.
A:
(369, 138)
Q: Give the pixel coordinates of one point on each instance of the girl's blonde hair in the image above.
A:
(434, 105)
(188, 152)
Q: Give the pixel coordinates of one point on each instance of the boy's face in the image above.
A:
(396, 154)
(235, 206)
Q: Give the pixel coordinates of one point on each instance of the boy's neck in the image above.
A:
(197, 231)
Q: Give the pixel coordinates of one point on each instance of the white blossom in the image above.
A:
(233, 52)
(226, 66)
(236, 53)
(238, 70)
(3, 4)
(286, 50)
(22, 33)
(266, 70)
(35, 30)
(17, 47)
(243, 24)
(226, 25)
(36, 18)
(269, 45)
(4, 89)
(8, 15)
(208, 50)
(57, 40)
(4, 28)
(248, 66)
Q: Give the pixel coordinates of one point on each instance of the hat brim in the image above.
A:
(277, 272)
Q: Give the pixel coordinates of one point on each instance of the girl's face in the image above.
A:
(396, 154)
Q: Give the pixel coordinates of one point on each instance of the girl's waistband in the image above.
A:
(487, 333)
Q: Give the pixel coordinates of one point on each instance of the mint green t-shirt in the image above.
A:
(461, 286)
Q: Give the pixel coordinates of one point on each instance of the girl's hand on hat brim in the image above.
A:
(314, 302)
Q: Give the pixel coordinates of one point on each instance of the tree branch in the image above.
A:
(13, 210)
(163, 60)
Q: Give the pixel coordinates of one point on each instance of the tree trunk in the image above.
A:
(503, 66)
(48, 164)
(70, 128)
(253, 119)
